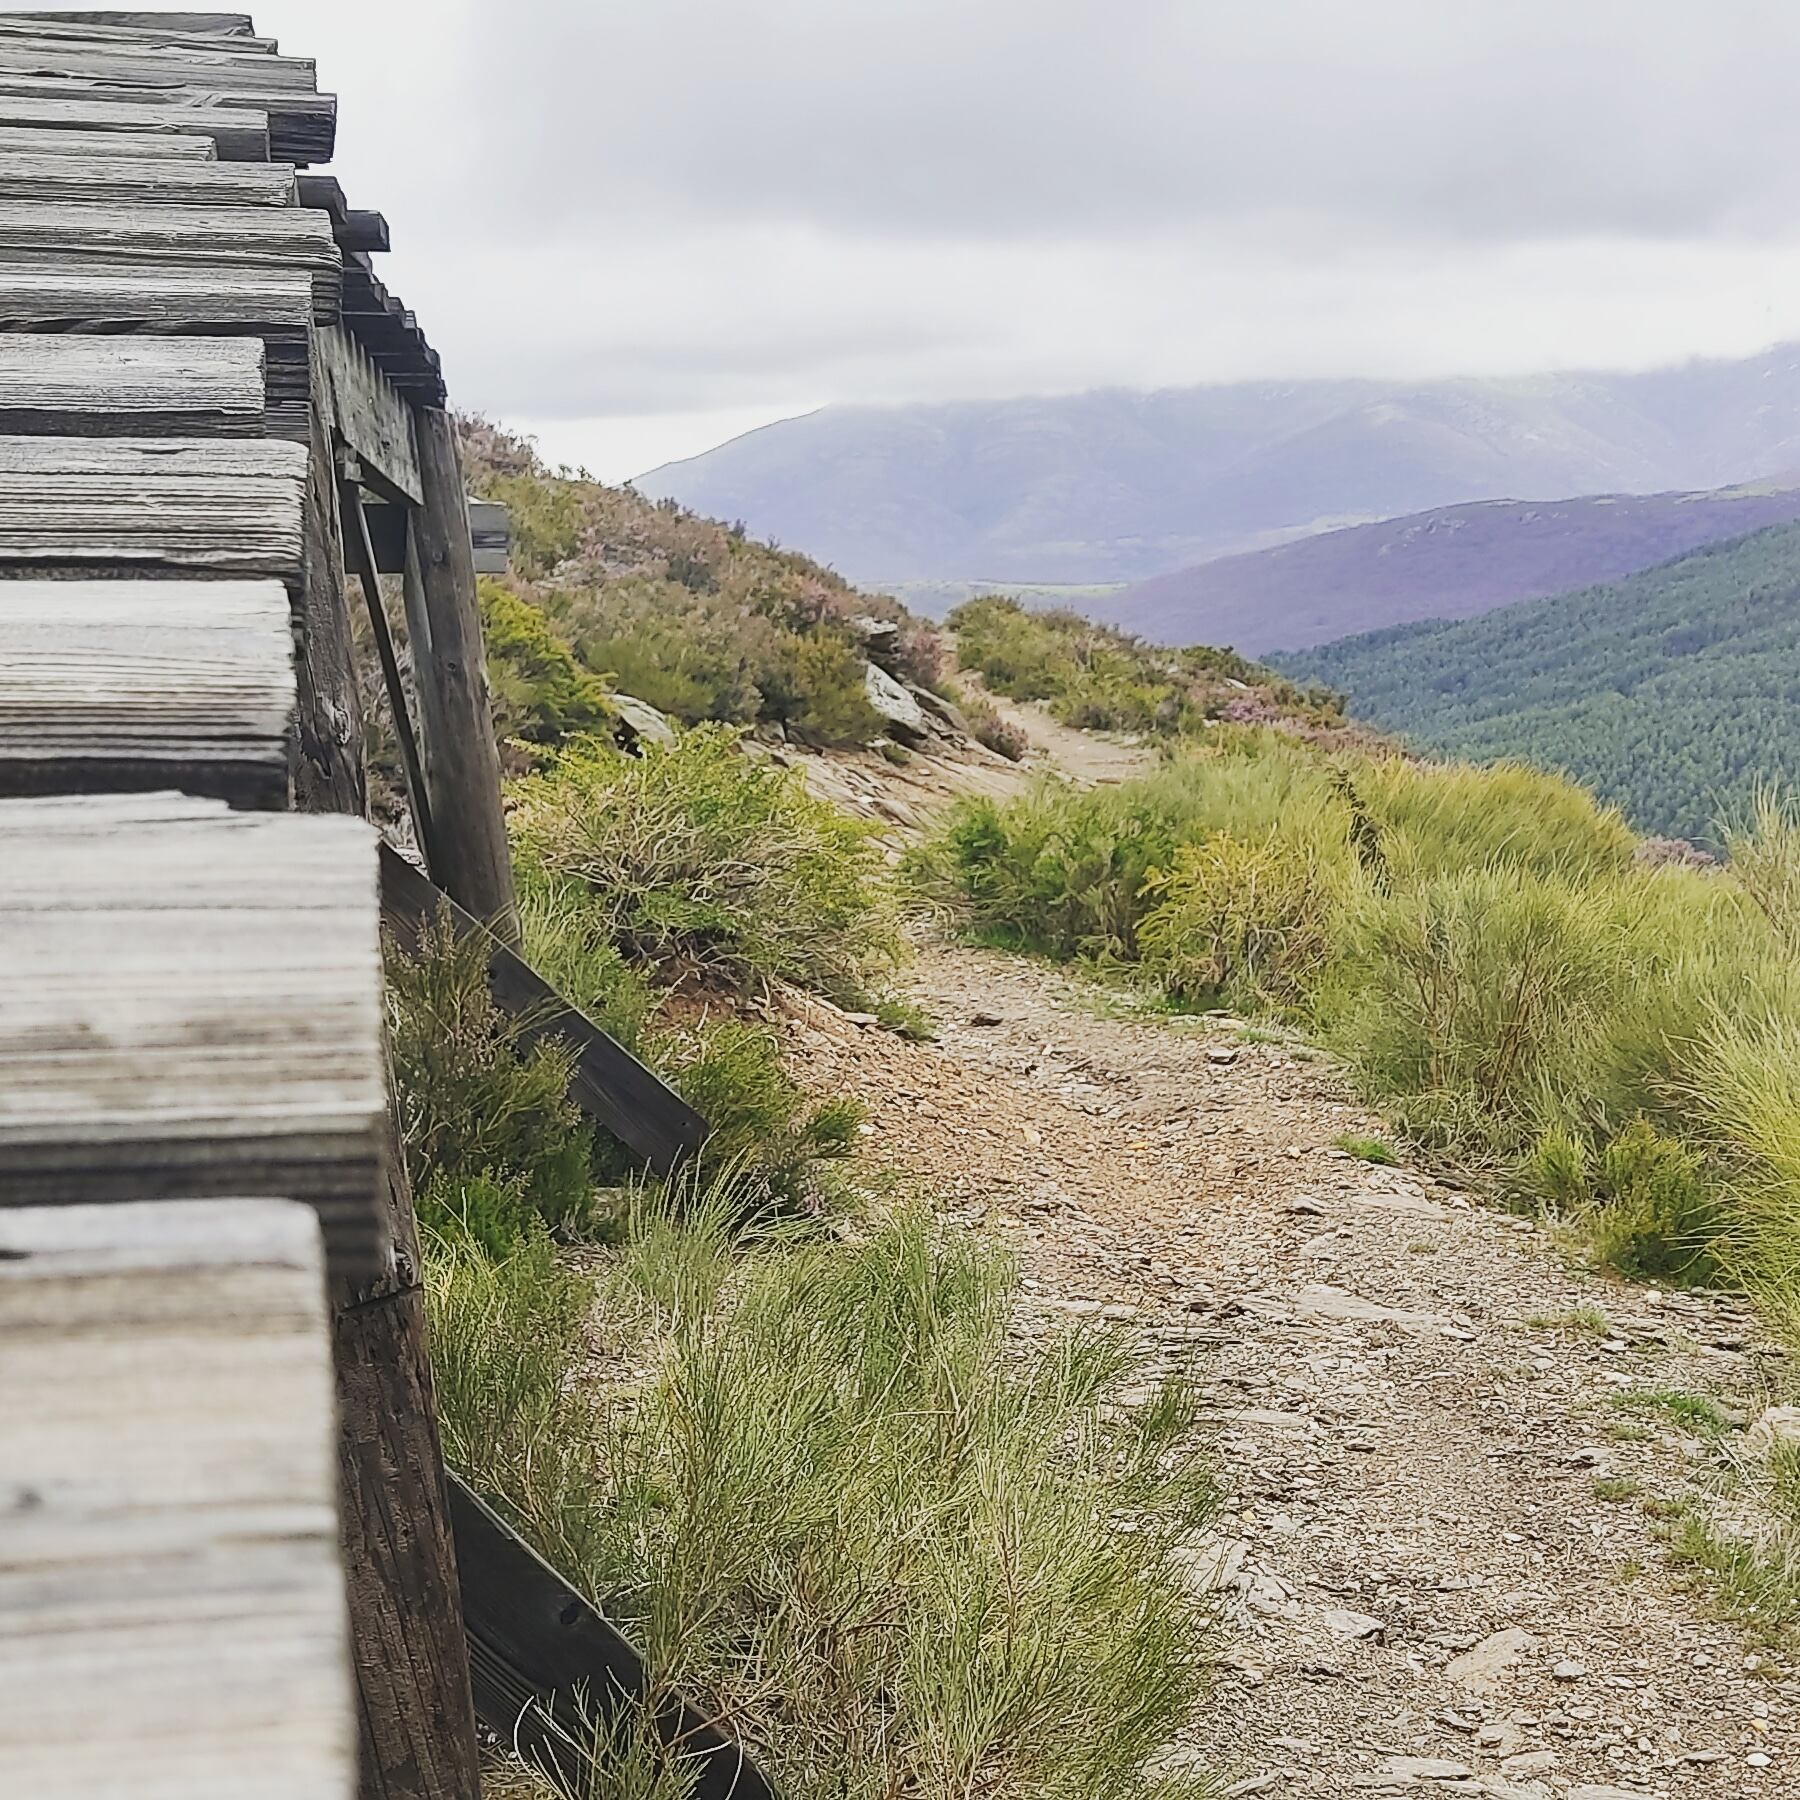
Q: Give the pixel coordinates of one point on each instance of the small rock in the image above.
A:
(1220, 1055)
(986, 1018)
(1424, 1768)
(1530, 1762)
(1567, 1670)
(1255, 1784)
(1346, 1624)
(1758, 1759)
(1479, 1669)
(1778, 1425)
(1600, 1791)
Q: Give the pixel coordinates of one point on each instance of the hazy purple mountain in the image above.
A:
(1116, 485)
(1454, 562)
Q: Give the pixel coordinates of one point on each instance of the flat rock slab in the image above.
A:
(1322, 1302)
(1480, 1669)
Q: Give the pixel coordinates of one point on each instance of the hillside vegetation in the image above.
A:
(1673, 694)
(1118, 485)
(1099, 678)
(610, 592)
(1500, 969)
(1454, 563)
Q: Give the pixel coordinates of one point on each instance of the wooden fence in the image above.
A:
(228, 1551)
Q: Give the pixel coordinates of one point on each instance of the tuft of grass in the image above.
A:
(831, 1501)
(698, 859)
(1696, 1413)
(1367, 1149)
(1615, 1487)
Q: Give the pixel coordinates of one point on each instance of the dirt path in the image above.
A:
(1436, 1570)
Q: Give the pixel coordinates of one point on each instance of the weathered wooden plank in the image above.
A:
(549, 1669)
(171, 1601)
(229, 506)
(213, 237)
(369, 417)
(237, 133)
(112, 686)
(190, 1006)
(197, 24)
(302, 125)
(275, 305)
(456, 722)
(121, 181)
(216, 68)
(24, 140)
(131, 387)
(354, 229)
(610, 1085)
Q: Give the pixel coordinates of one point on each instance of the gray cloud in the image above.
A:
(628, 210)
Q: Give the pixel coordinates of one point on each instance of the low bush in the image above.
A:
(831, 1501)
(697, 859)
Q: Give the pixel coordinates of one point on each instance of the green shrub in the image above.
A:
(835, 1504)
(1647, 1204)
(698, 858)
(988, 727)
(492, 1139)
(540, 692)
(1246, 921)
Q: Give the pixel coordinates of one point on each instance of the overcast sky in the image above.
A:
(637, 227)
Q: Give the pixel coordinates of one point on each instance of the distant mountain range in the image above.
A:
(1116, 486)
(1454, 562)
(1673, 693)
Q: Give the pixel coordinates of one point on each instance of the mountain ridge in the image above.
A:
(1452, 562)
(1120, 484)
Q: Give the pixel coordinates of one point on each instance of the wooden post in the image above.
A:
(415, 1711)
(462, 761)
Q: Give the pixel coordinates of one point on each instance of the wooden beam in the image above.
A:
(175, 1613)
(609, 1084)
(369, 417)
(550, 1670)
(217, 69)
(114, 686)
(456, 721)
(490, 532)
(230, 506)
(28, 140)
(200, 24)
(362, 561)
(190, 1005)
(118, 180)
(131, 387)
(237, 133)
(302, 126)
(275, 305)
(212, 237)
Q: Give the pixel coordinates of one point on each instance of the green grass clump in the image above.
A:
(698, 859)
(826, 1497)
(1102, 679)
(1367, 1149)
(1698, 1413)
(493, 1141)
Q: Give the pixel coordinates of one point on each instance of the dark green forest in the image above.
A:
(1673, 693)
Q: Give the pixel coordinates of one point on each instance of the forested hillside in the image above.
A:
(1674, 693)
(1453, 562)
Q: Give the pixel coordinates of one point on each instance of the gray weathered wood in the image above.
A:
(122, 181)
(171, 1602)
(190, 1005)
(213, 237)
(302, 125)
(237, 133)
(109, 686)
(456, 723)
(215, 67)
(490, 533)
(369, 417)
(24, 140)
(275, 305)
(131, 387)
(198, 24)
(230, 506)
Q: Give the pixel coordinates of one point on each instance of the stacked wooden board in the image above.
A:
(192, 1083)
